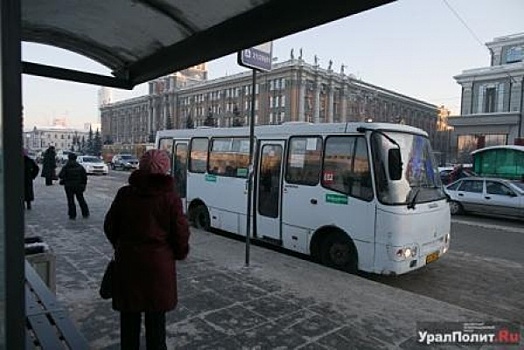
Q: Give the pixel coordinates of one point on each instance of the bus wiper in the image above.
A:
(411, 205)
(380, 132)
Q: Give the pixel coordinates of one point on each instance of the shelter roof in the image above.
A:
(140, 40)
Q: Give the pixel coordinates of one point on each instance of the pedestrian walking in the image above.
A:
(49, 165)
(149, 232)
(31, 170)
(74, 178)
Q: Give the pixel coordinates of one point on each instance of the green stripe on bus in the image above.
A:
(336, 198)
(211, 178)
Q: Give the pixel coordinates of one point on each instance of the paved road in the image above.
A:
(483, 271)
(281, 301)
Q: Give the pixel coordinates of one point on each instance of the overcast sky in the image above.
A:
(413, 47)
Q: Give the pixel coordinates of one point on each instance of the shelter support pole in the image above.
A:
(251, 171)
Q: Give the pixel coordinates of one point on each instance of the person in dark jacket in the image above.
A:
(49, 165)
(31, 170)
(74, 178)
(149, 232)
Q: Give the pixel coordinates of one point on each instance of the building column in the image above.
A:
(467, 98)
(519, 87)
(316, 110)
(343, 103)
(330, 104)
(301, 103)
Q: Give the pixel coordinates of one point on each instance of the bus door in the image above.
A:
(180, 170)
(268, 191)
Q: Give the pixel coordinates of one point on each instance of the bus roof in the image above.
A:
(507, 147)
(291, 128)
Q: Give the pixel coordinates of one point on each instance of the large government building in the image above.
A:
(293, 90)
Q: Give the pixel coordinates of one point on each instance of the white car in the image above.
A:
(487, 196)
(93, 165)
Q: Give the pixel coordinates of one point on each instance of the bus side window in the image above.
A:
(346, 167)
(303, 160)
(198, 155)
(227, 157)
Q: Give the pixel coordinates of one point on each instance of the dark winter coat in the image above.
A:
(31, 170)
(147, 227)
(73, 175)
(49, 163)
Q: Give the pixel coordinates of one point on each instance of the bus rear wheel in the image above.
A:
(338, 251)
(200, 218)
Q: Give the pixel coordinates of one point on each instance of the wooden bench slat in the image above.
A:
(71, 335)
(45, 333)
(40, 288)
(32, 307)
(48, 324)
(29, 344)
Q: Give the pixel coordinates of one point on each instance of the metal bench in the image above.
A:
(48, 326)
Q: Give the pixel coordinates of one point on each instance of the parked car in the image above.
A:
(93, 165)
(490, 196)
(444, 174)
(124, 162)
(62, 156)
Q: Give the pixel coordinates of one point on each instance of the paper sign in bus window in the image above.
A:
(311, 144)
(297, 161)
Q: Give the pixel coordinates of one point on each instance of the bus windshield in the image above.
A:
(419, 181)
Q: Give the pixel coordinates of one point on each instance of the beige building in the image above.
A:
(293, 90)
(492, 99)
(58, 135)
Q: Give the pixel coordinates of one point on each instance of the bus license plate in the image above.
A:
(431, 257)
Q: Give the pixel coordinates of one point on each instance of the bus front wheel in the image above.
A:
(338, 251)
(200, 218)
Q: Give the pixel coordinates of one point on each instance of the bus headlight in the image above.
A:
(447, 238)
(404, 253)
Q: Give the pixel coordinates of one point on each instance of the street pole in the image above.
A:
(251, 168)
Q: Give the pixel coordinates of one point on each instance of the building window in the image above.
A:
(515, 54)
(489, 103)
(495, 140)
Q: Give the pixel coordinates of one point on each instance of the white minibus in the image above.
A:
(354, 196)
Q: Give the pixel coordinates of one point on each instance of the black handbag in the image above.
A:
(106, 287)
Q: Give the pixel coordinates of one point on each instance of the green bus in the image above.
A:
(499, 161)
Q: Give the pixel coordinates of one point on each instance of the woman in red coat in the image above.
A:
(149, 232)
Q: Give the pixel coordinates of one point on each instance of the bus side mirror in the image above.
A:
(394, 164)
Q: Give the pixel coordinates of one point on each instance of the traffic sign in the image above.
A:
(257, 57)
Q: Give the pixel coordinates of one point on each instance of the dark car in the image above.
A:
(124, 162)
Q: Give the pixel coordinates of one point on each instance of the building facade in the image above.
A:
(62, 138)
(492, 99)
(293, 90)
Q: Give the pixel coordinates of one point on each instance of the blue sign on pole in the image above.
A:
(258, 57)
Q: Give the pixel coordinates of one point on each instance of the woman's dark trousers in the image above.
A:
(71, 192)
(155, 323)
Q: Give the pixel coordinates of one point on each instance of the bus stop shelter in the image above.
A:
(138, 40)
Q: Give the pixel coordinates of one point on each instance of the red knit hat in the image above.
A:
(155, 161)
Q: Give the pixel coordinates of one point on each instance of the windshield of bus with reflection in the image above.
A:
(419, 181)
